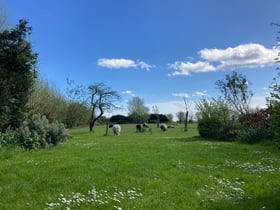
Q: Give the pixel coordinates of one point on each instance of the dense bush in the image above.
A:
(37, 132)
(215, 121)
(254, 135)
(274, 119)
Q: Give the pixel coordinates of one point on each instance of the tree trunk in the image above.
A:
(91, 125)
(186, 121)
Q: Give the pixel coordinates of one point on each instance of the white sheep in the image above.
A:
(163, 127)
(116, 129)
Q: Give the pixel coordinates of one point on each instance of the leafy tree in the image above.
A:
(119, 119)
(48, 101)
(103, 99)
(235, 92)
(76, 115)
(214, 119)
(136, 107)
(274, 100)
(154, 118)
(18, 71)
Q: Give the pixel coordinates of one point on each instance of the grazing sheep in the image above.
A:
(163, 127)
(145, 125)
(139, 128)
(116, 129)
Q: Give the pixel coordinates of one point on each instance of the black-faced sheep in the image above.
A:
(163, 127)
(139, 128)
(145, 125)
(116, 129)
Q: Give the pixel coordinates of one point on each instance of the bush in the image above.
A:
(214, 120)
(254, 135)
(37, 132)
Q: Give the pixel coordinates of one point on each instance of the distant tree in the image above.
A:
(137, 109)
(103, 99)
(156, 112)
(170, 117)
(77, 114)
(235, 92)
(163, 118)
(119, 119)
(181, 116)
(48, 101)
(18, 71)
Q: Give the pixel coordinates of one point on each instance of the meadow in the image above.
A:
(150, 170)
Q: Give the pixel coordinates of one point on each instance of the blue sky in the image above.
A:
(159, 50)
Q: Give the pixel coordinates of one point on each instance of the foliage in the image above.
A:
(17, 70)
(274, 100)
(35, 133)
(235, 92)
(137, 109)
(154, 117)
(215, 120)
(181, 116)
(254, 135)
(119, 119)
(274, 119)
(48, 101)
(77, 114)
(256, 119)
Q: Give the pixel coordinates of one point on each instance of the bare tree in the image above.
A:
(103, 99)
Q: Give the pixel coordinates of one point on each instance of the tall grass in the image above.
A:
(158, 170)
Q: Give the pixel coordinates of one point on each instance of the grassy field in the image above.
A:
(158, 170)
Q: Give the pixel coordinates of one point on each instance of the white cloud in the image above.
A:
(242, 56)
(199, 93)
(183, 95)
(248, 55)
(128, 92)
(188, 67)
(117, 63)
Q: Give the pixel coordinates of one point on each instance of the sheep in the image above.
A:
(139, 128)
(145, 125)
(163, 127)
(116, 129)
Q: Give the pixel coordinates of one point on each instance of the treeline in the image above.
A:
(27, 117)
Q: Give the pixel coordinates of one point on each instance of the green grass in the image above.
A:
(162, 170)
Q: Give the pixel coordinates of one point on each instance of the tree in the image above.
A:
(181, 116)
(235, 92)
(156, 112)
(18, 71)
(103, 99)
(214, 119)
(273, 101)
(170, 117)
(187, 106)
(48, 101)
(136, 107)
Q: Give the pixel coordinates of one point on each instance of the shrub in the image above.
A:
(34, 133)
(214, 120)
(254, 135)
